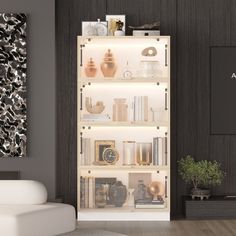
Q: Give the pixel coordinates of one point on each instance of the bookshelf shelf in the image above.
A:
(156, 80)
(123, 128)
(124, 124)
(123, 209)
(121, 168)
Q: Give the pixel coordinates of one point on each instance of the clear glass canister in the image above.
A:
(120, 109)
(128, 152)
(144, 153)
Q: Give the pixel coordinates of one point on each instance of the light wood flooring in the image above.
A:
(172, 228)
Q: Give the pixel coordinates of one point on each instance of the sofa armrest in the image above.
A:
(22, 192)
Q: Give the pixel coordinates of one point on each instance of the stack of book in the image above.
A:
(159, 151)
(87, 192)
(139, 109)
(149, 204)
(85, 158)
(96, 117)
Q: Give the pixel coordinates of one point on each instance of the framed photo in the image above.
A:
(104, 184)
(100, 146)
(112, 23)
(94, 28)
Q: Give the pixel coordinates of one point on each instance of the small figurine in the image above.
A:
(149, 52)
(119, 26)
(152, 26)
(90, 69)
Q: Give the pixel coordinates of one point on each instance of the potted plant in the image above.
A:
(202, 174)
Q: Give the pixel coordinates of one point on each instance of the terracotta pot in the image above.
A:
(108, 66)
(90, 70)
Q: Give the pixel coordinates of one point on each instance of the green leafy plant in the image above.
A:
(200, 173)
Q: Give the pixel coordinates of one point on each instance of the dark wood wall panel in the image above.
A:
(194, 26)
(69, 14)
(168, 27)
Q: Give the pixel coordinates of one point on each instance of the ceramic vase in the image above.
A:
(100, 197)
(118, 194)
(90, 69)
(108, 66)
(130, 198)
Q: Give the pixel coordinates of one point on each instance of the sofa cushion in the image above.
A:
(22, 192)
(36, 220)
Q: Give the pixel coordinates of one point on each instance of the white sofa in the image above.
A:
(24, 211)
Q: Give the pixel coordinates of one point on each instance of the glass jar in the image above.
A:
(144, 153)
(120, 109)
(128, 152)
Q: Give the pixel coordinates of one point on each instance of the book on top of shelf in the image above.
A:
(96, 117)
(150, 206)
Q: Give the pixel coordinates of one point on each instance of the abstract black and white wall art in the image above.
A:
(13, 121)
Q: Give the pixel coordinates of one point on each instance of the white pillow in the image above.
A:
(22, 192)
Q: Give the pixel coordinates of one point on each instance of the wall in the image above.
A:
(40, 164)
(194, 26)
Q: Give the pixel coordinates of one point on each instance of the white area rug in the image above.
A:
(92, 232)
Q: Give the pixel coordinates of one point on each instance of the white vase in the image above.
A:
(119, 33)
(130, 197)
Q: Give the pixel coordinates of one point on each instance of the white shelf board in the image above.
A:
(124, 168)
(116, 215)
(123, 124)
(155, 80)
(123, 209)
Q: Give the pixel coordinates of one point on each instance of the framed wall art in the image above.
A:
(116, 24)
(13, 85)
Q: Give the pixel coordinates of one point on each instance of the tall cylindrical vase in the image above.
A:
(128, 152)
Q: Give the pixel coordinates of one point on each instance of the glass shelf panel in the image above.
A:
(127, 56)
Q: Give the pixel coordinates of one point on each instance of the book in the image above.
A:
(96, 117)
(155, 151)
(91, 196)
(160, 151)
(149, 206)
(82, 192)
(85, 158)
(86, 195)
(145, 108)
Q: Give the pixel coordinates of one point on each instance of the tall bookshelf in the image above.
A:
(123, 128)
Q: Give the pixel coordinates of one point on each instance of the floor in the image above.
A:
(172, 228)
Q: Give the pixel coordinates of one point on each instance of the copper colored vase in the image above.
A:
(90, 69)
(108, 65)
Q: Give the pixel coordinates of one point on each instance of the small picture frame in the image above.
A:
(100, 146)
(94, 28)
(112, 24)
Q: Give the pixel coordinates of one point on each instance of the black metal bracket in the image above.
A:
(81, 143)
(166, 95)
(166, 186)
(166, 63)
(81, 99)
(166, 150)
(81, 54)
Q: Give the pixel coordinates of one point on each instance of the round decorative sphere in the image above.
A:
(156, 189)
